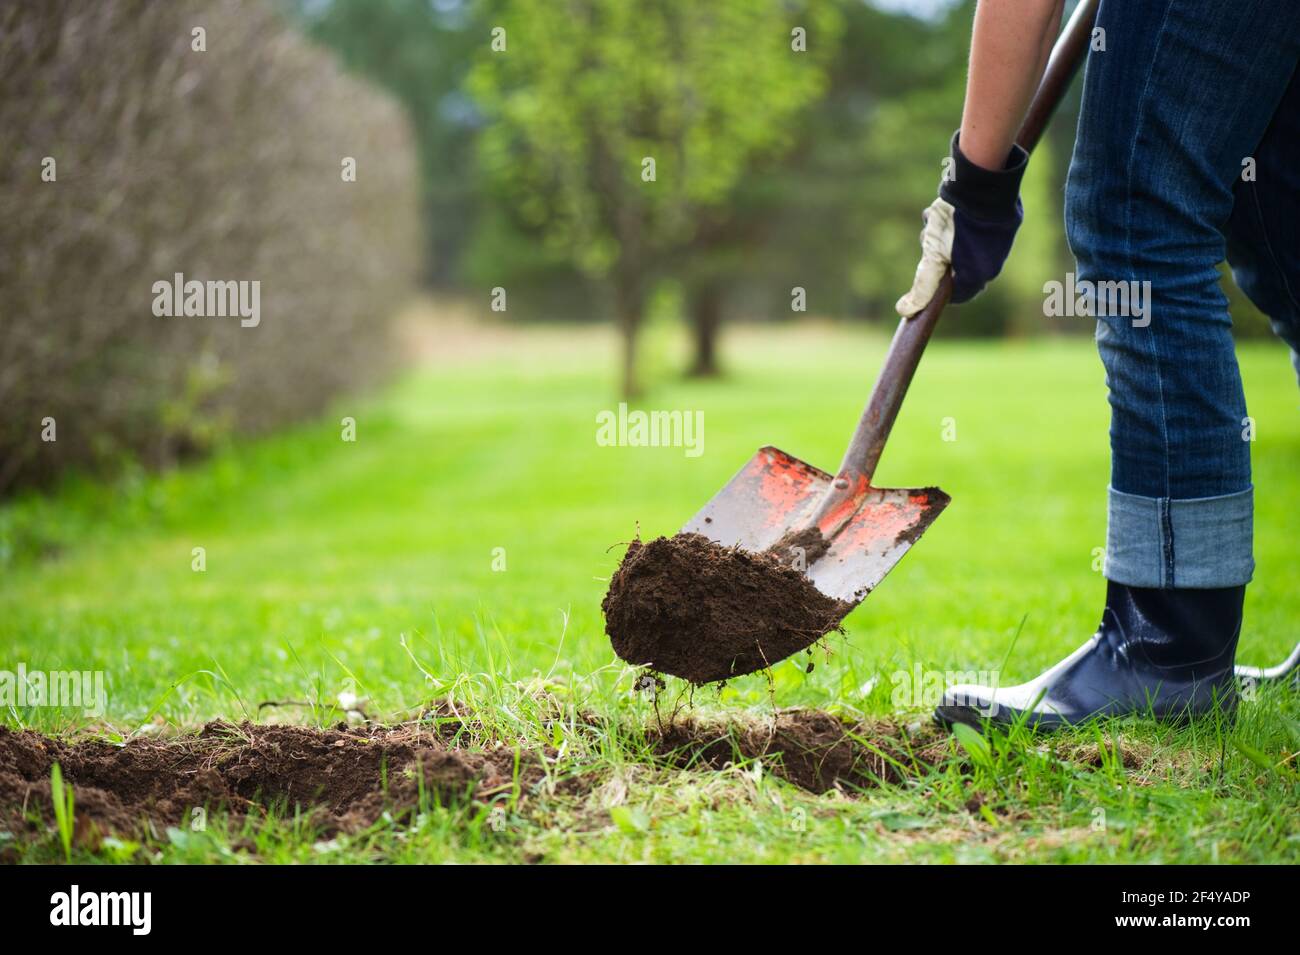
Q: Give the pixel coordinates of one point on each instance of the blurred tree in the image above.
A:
(844, 214)
(840, 214)
(904, 144)
(617, 126)
(420, 51)
(826, 157)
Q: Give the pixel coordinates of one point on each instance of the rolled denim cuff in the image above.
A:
(1194, 543)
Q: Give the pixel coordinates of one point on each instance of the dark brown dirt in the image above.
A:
(810, 748)
(347, 778)
(690, 608)
(909, 535)
(800, 549)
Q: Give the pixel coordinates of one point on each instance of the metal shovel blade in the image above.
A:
(869, 528)
(775, 493)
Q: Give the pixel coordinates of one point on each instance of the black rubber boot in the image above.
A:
(1161, 653)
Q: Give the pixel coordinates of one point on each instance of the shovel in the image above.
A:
(864, 530)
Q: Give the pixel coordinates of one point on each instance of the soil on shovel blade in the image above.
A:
(693, 609)
(800, 549)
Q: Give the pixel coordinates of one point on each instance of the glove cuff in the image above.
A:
(989, 194)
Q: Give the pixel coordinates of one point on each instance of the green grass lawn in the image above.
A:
(373, 562)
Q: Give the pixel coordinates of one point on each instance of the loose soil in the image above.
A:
(346, 778)
(691, 608)
(800, 549)
(815, 750)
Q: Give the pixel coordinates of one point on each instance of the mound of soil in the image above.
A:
(688, 607)
(347, 778)
(810, 748)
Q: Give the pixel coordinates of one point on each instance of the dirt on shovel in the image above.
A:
(691, 608)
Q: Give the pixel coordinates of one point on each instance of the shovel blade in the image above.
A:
(775, 493)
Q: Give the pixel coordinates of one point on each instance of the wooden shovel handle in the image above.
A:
(913, 333)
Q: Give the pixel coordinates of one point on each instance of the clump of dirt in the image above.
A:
(691, 608)
(816, 751)
(800, 549)
(346, 777)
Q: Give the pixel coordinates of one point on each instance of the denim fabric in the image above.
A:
(1179, 543)
(1184, 94)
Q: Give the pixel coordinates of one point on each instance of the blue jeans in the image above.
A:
(1188, 152)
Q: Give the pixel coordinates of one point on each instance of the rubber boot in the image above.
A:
(1163, 653)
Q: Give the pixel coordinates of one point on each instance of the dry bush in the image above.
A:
(221, 165)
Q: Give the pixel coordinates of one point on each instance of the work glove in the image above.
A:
(970, 227)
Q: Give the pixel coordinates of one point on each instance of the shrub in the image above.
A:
(221, 164)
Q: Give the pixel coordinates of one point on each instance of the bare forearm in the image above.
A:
(1010, 44)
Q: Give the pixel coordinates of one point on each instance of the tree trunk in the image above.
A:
(630, 307)
(705, 307)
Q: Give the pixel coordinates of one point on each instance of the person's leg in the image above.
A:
(1183, 92)
(1264, 231)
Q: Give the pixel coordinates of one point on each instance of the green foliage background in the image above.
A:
(772, 175)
